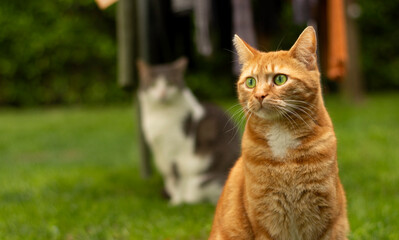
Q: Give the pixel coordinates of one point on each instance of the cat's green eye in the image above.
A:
(250, 82)
(280, 79)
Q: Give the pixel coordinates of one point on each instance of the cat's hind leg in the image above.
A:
(195, 191)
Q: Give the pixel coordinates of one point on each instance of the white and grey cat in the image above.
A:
(194, 145)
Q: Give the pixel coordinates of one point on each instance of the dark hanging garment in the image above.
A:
(302, 10)
(243, 26)
(202, 16)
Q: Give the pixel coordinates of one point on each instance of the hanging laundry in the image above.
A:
(337, 58)
(202, 15)
(179, 6)
(303, 10)
(243, 26)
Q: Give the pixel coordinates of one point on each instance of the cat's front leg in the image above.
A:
(172, 187)
(338, 231)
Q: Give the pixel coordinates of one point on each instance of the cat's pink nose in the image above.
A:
(260, 97)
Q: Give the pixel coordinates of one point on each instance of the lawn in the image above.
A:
(72, 173)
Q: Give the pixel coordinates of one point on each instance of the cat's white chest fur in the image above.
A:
(280, 140)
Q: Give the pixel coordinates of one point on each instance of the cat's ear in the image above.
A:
(304, 49)
(181, 63)
(143, 67)
(245, 52)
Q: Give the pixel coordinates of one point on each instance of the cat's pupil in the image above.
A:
(280, 79)
(251, 82)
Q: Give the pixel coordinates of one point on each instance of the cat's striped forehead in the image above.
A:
(265, 69)
(268, 64)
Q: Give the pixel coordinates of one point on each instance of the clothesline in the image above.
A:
(337, 56)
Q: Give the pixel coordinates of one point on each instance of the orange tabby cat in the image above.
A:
(285, 185)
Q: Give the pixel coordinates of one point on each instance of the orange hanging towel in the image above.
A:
(337, 46)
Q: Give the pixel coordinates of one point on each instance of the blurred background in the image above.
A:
(69, 142)
(65, 52)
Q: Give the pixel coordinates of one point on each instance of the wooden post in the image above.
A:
(352, 86)
(143, 28)
(127, 56)
(126, 28)
(144, 53)
(145, 154)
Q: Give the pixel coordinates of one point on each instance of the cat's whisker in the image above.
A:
(288, 117)
(231, 107)
(237, 113)
(302, 109)
(297, 106)
(228, 50)
(297, 115)
(250, 115)
(305, 110)
(290, 120)
(240, 113)
(244, 116)
(239, 125)
(280, 113)
(309, 109)
(301, 102)
(278, 46)
(232, 117)
(241, 116)
(277, 102)
(251, 105)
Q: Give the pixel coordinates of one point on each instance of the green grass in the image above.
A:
(72, 173)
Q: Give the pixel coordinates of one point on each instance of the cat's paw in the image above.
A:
(175, 202)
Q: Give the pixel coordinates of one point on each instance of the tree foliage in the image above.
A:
(60, 51)
(379, 40)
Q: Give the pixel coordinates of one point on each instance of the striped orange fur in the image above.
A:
(285, 184)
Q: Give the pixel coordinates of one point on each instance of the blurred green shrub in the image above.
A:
(379, 40)
(60, 51)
